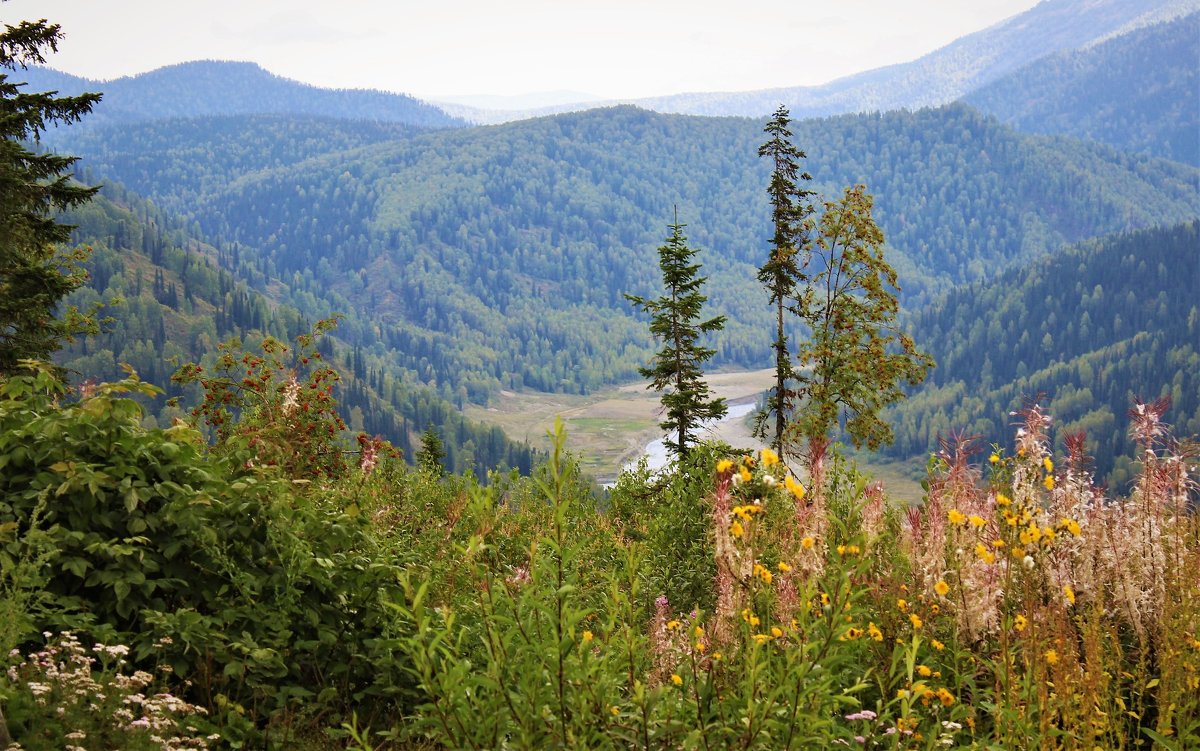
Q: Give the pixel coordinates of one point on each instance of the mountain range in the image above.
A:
(472, 259)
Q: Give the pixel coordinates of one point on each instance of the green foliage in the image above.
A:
(432, 453)
(675, 325)
(853, 362)
(35, 273)
(270, 599)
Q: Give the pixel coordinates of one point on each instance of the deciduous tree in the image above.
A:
(857, 357)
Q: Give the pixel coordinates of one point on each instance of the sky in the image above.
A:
(432, 48)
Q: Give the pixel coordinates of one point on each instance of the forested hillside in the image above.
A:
(1137, 92)
(498, 257)
(211, 87)
(178, 300)
(1082, 332)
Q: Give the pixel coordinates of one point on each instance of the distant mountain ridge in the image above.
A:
(1139, 92)
(940, 77)
(211, 87)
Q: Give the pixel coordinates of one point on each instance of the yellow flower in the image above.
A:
(825, 599)
(841, 549)
(676, 679)
(762, 572)
(761, 638)
(698, 631)
(853, 633)
(783, 567)
(672, 625)
(1020, 622)
(937, 645)
(724, 466)
(945, 697)
(1049, 482)
(994, 458)
(901, 605)
(1071, 526)
(977, 521)
(942, 588)
(700, 647)
(874, 632)
(1048, 535)
(956, 517)
(587, 636)
(614, 710)
(1048, 464)
(744, 473)
(796, 488)
(998, 543)
(736, 529)
(1002, 500)
(807, 543)
(915, 620)
(776, 631)
(1069, 593)
(924, 671)
(1051, 657)
(769, 457)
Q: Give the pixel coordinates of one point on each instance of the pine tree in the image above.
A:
(856, 358)
(431, 456)
(782, 275)
(35, 273)
(675, 324)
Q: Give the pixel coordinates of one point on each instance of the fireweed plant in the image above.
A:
(726, 603)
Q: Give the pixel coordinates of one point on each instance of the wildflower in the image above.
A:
(724, 466)
(614, 710)
(1027, 562)
(874, 632)
(761, 639)
(807, 543)
(942, 588)
(587, 636)
(977, 521)
(762, 572)
(984, 554)
(924, 671)
(796, 488)
(784, 568)
(736, 529)
(1048, 535)
(994, 458)
(1048, 464)
(744, 473)
(1051, 657)
(769, 457)
(676, 679)
(700, 647)
(954, 516)
(864, 714)
(776, 631)
(901, 605)
(749, 617)
(1020, 622)
(945, 697)
(698, 631)
(852, 633)
(1071, 526)
(672, 625)
(1049, 482)
(1070, 594)
(937, 645)
(915, 620)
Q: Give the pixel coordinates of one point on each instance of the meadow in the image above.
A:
(278, 589)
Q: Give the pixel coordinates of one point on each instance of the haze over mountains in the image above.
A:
(471, 259)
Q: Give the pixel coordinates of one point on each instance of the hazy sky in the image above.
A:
(609, 48)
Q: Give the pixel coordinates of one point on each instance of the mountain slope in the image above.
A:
(180, 297)
(1082, 331)
(499, 257)
(229, 88)
(1138, 92)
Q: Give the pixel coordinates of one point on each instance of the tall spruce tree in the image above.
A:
(856, 357)
(675, 323)
(783, 273)
(36, 273)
